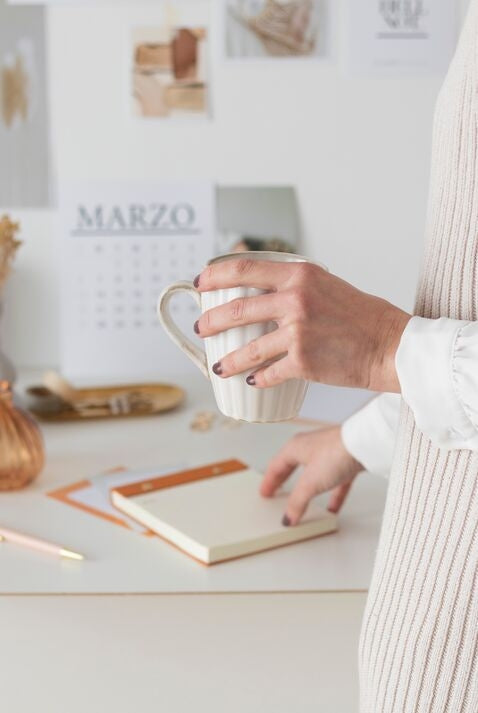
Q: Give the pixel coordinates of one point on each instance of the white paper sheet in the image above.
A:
(96, 494)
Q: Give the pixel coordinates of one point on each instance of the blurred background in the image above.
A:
(316, 114)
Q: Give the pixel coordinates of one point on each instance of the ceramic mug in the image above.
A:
(234, 397)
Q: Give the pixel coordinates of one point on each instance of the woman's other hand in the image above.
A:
(328, 467)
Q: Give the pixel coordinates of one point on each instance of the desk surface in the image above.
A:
(244, 652)
(180, 654)
(121, 561)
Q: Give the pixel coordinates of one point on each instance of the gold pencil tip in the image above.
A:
(71, 555)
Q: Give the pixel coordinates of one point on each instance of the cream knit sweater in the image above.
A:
(419, 642)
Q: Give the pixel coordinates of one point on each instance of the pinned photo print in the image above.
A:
(269, 29)
(169, 77)
(25, 166)
(401, 36)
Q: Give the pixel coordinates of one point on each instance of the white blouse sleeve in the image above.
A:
(369, 435)
(437, 366)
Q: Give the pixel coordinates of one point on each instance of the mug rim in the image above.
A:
(249, 255)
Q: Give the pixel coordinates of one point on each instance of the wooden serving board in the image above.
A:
(105, 402)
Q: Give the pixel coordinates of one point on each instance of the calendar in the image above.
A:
(122, 243)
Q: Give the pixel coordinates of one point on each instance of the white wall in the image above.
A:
(356, 148)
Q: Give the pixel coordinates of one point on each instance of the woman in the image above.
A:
(419, 642)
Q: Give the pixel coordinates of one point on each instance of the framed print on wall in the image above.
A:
(401, 36)
(276, 29)
(169, 71)
(24, 121)
(168, 47)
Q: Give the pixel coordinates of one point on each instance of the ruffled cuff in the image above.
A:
(370, 434)
(437, 366)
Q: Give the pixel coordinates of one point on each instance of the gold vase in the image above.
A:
(21, 445)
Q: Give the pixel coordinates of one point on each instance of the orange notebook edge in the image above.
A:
(182, 477)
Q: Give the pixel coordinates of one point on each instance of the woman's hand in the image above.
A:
(328, 331)
(327, 466)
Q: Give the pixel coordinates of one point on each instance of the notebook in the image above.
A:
(215, 513)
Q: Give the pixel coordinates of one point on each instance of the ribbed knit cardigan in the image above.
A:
(419, 641)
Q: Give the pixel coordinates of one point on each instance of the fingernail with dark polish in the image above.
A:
(286, 521)
(217, 368)
(196, 280)
(251, 380)
(196, 326)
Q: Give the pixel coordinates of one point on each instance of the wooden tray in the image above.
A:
(124, 401)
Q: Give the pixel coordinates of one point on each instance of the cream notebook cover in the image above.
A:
(215, 513)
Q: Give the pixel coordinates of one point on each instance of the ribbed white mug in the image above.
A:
(234, 397)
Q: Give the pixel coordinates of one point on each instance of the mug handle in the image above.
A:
(197, 355)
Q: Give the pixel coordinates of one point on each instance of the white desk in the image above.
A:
(218, 650)
(180, 654)
(120, 561)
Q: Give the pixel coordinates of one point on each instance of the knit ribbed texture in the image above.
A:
(419, 641)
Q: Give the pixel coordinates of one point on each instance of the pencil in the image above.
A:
(34, 543)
